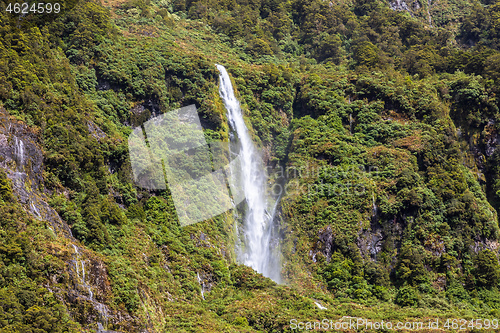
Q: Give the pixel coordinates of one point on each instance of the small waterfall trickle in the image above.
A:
(80, 272)
(202, 284)
(103, 314)
(374, 206)
(19, 150)
(258, 221)
(321, 307)
(350, 123)
(101, 309)
(35, 210)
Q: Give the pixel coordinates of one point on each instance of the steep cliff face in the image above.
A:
(483, 141)
(435, 13)
(335, 89)
(88, 291)
(21, 157)
(81, 281)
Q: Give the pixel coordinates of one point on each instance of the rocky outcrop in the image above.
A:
(325, 243)
(89, 291)
(492, 138)
(399, 5)
(95, 131)
(82, 283)
(21, 157)
(370, 242)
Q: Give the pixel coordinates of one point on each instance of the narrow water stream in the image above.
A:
(258, 216)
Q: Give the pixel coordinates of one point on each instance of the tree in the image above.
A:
(259, 47)
(365, 7)
(492, 67)
(410, 268)
(366, 54)
(487, 269)
(406, 296)
(330, 48)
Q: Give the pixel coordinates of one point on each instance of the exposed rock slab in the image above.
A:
(21, 157)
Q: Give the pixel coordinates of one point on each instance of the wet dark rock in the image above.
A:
(89, 292)
(485, 244)
(325, 243)
(370, 242)
(95, 131)
(492, 139)
(103, 85)
(21, 157)
(152, 105)
(399, 5)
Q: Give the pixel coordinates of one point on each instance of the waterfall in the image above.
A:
(35, 210)
(19, 150)
(202, 284)
(321, 307)
(80, 275)
(258, 221)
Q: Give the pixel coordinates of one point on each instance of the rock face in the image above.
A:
(483, 146)
(89, 290)
(21, 157)
(492, 138)
(83, 283)
(443, 13)
(325, 243)
(370, 242)
(399, 5)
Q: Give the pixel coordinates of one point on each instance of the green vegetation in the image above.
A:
(391, 124)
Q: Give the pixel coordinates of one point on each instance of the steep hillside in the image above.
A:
(379, 126)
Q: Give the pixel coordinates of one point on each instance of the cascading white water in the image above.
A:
(321, 307)
(19, 150)
(102, 310)
(35, 210)
(81, 277)
(202, 284)
(258, 222)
